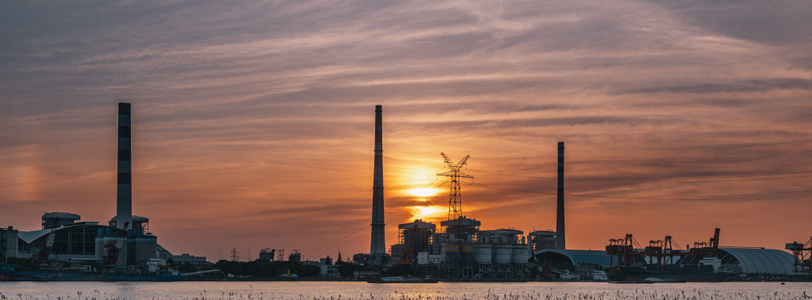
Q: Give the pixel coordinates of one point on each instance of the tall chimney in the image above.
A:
(378, 241)
(560, 236)
(124, 197)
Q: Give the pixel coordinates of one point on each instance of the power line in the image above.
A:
(712, 178)
(510, 190)
(350, 231)
(651, 198)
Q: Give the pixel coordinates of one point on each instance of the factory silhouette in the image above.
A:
(124, 241)
(458, 250)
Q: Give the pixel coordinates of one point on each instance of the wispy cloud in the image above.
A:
(257, 117)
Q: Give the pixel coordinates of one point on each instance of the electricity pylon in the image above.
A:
(455, 173)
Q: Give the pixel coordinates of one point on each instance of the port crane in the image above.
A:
(706, 249)
(664, 251)
(623, 249)
(803, 256)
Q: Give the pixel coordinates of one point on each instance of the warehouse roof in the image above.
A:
(577, 257)
(753, 260)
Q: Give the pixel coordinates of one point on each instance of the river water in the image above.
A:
(362, 290)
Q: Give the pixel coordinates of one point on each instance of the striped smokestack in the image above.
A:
(378, 241)
(124, 197)
(560, 237)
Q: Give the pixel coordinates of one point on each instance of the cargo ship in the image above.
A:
(9, 273)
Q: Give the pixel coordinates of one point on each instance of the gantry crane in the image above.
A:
(803, 256)
(664, 251)
(624, 250)
(706, 249)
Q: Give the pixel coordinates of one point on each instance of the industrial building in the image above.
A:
(186, 258)
(754, 261)
(732, 261)
(541, 240)
(413, 238)
(8, 242)
(706, 261)
(459, 250)
(462, 251)
(126, 239)
(86, 242)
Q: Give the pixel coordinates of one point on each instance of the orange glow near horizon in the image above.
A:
(265, 139)
(431, 212)
(423, 192)
(419, 175)
(417, 181)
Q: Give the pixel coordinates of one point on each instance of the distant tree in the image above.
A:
(265, 268)
(305, 270)
(348, 269)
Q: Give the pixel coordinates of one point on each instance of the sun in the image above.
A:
(423, 192)
(427, 212)
(417, 181)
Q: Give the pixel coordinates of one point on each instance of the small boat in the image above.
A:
(599, 275)
(665, 280)
(565, 275)
(8, 273)
(630, 282)
(402, 279)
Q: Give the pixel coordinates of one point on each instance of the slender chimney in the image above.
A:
(124, 197)
(560, 236)
(378, 241)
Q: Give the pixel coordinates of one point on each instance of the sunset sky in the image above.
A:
(253, 122)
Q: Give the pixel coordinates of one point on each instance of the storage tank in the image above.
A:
(99, 246)
(520, 254)
(484, 253)
(503, 254)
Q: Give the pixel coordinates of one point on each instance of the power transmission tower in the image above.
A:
(455, 173)
(234, 256)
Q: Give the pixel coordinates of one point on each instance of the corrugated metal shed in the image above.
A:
(770, 261)
(578, 257)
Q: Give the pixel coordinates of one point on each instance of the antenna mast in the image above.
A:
(455, 173)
